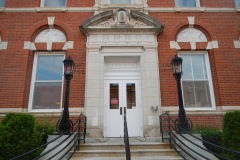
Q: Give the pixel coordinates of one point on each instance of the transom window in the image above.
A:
(2, 3)
(53, 3)
(187, 3)
(237, 3)
(51, 35)
(47, 82)
(120, 1)
(196, 81)
(191, 35)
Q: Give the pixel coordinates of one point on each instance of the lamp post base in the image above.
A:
(64, 127)
(183, 125)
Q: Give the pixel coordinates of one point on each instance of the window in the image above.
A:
(51, 35)
(2, 3)
(53, 3)
(191, 35)
(47, 82)
(237, 3)
(120, 1)
(196, 81)
(187, 3)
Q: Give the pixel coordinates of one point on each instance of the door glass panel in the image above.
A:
(131, 95)
(114, 96)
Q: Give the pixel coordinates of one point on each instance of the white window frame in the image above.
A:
(197, 4)
(109, 2)
(43, 2)
(212, 97)
(34, 79)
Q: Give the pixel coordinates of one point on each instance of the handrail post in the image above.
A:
(169, 130)
(79, 127)
(126, 138)
(161, 126)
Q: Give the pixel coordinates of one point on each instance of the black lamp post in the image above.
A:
(66, 124)
(182, 122)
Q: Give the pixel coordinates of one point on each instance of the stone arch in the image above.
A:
(196, 35)
(50, 34)
(200, 25)
(40, 26)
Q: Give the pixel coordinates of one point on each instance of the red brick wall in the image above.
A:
(224, 71)
(37, 3)
(203, 3)
(16, 62)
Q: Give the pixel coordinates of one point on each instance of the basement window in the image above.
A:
(53, 3)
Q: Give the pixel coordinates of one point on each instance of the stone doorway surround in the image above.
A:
(122, 32)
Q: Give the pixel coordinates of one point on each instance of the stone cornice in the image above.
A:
(107, 7)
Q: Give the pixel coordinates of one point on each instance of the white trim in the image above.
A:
(236, 43)
(212, 97)
(7, 110)
(191, 20)
(211, 45)
(214, 44)
(33, 80)
(51, 21)
(3, 45)
(29, 45)
(174, 45)
(49, 45)
(226, 108)
(193, 45)
(90, 9)
(68, 45)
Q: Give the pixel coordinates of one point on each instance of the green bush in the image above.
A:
(231, 132)
(45, 128)
(20, 133)
(212, 135)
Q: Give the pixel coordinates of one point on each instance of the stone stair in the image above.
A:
(115, 150)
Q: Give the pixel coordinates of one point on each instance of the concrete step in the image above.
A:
(120, 146)
(121, 153)
(132, 158)
(114, 149)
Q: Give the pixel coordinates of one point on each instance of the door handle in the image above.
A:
(120, 110)
(125, 111)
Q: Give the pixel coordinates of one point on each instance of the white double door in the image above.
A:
(122, 96)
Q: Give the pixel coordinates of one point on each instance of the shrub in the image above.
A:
(231, 132)
(18, 135)
(212, 135)
(45, 128)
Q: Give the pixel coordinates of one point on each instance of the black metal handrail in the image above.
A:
(171, 133)
(126, 138)
(74, 139)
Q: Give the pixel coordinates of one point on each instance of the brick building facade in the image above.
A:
(122, 55)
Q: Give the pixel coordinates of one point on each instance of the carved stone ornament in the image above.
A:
(121, 20)
(121, 17)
